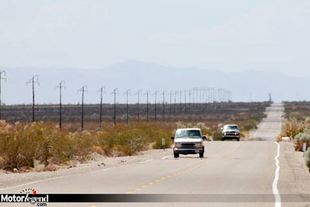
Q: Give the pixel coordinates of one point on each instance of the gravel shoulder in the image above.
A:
(293, 164)
(294, 175)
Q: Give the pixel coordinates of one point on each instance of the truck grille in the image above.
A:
(188, 145)
(231, 133)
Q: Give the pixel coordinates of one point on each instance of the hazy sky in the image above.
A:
(269, 35)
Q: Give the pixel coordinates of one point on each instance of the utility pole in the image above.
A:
(82, 90)
(196, 96)
(170, 107)
(102, 91)
(138, 104)
(213, 97)
(164, 109)
(34, 80)
(175, 102)
(190, 100)
(200, 95)
(185, 100)
(61, 85)
(270, 98)
(2, 77)
(114, 105)
(127, 106)
(205, 92)
(147, 105)
(180, 101)
(155, 105)
(193, 96)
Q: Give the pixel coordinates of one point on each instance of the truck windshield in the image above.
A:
(188, 134)
(231, 127)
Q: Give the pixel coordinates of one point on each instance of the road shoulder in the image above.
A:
(294, 175)
(9, 180)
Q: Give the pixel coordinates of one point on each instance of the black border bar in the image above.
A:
(171, 198)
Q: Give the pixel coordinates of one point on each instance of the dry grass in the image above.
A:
(292, 127)
(22, 144)
(299, 131)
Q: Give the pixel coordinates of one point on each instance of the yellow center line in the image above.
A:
(164, 177)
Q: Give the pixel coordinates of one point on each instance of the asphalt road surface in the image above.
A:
(232, 173)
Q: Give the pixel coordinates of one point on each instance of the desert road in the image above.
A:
(256, 167)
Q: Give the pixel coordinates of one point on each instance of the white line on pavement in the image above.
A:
(275, 190)
(145, 161)
(31, 183)
(165, 157)
(46, 179)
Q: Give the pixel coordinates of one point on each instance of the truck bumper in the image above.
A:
(188, 151)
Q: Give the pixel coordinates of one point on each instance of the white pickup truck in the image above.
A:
(188, 141)
(231, 131)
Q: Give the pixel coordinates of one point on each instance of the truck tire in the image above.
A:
(201, 155)
(176, 155)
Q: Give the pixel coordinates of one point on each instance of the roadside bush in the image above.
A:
(128, 140)
(21, 144)
(301, 138)
(295, 115)
(204, 128)
(217, 135)
(291, 128)
(249, 125)
(158, 143)
(180, 124)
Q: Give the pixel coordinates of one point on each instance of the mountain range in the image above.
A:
(135, 75)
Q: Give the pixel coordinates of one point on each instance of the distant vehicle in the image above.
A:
(188, 141)
(231, 131)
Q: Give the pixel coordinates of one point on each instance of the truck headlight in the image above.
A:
(198, 144)
(177, 145)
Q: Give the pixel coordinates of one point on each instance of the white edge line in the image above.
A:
(165, 157)
(44, 180)
(32, 182)
(275, 189)
(146, 161)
